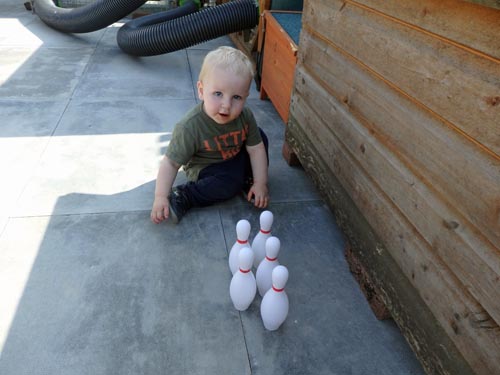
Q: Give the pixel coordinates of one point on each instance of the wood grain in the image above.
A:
(395, 113)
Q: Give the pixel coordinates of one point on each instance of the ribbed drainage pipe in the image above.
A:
(85, 19)
(156, 34)
(148, 37)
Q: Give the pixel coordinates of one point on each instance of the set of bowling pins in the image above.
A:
(270, 277)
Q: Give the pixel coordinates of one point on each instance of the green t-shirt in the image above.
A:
(198, 141)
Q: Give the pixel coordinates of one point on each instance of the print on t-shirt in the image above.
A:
(228, 144)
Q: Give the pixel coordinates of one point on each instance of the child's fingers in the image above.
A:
(157, 216)
(261, 202)
(256, 202)
(264, 202)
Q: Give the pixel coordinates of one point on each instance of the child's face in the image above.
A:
(224, 95)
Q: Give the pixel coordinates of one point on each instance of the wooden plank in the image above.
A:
(487, 3)
(280, 57)
(460, 87)
(395, 116)
(466, 24)
(441, 291)
(475, 262)
(416, 202)
(263, 6)
(369, 289)
(465, 177)
(433, 347)
(411, 197)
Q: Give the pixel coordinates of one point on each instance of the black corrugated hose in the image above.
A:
(85, 19)
(142, 38)
(155, 34)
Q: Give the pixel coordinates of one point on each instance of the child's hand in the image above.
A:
(159, 212)
(260, 194)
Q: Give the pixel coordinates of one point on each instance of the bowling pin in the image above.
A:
(274, 305)
(242, 233)
(243, 286)
(265, 269)
(259, 241)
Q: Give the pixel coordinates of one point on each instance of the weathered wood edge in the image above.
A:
(495, 4)
(370, 291)
(429, 341)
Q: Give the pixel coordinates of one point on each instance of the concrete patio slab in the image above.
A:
(102, 147)
(27, 30)
(118, 296)
(44, 73)
(112, 73)
(329, 329)
(24, 136)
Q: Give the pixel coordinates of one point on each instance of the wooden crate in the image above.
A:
(395, 113)
(279, 60)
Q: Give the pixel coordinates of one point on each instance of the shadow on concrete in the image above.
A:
(112, 293)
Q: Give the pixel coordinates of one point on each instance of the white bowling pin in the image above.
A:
(243, 286)
(242, 233)
(259, 241)
(274, 305)
(265, 269)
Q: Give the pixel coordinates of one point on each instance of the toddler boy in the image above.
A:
(218, 143)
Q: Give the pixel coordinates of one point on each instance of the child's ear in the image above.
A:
(199, 85)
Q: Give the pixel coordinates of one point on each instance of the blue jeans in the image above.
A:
(221, 181)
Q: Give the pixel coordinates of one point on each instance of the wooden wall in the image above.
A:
(395, 114)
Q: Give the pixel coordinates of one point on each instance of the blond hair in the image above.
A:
(227, 58)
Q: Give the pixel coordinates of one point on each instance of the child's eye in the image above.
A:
(237, 97)
(217, 93)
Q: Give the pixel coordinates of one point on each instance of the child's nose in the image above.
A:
(226, 103)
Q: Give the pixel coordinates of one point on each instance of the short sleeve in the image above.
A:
(182, 146)
(253, 136)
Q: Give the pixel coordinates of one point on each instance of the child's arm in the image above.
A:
(166, 176)
(258, 160)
